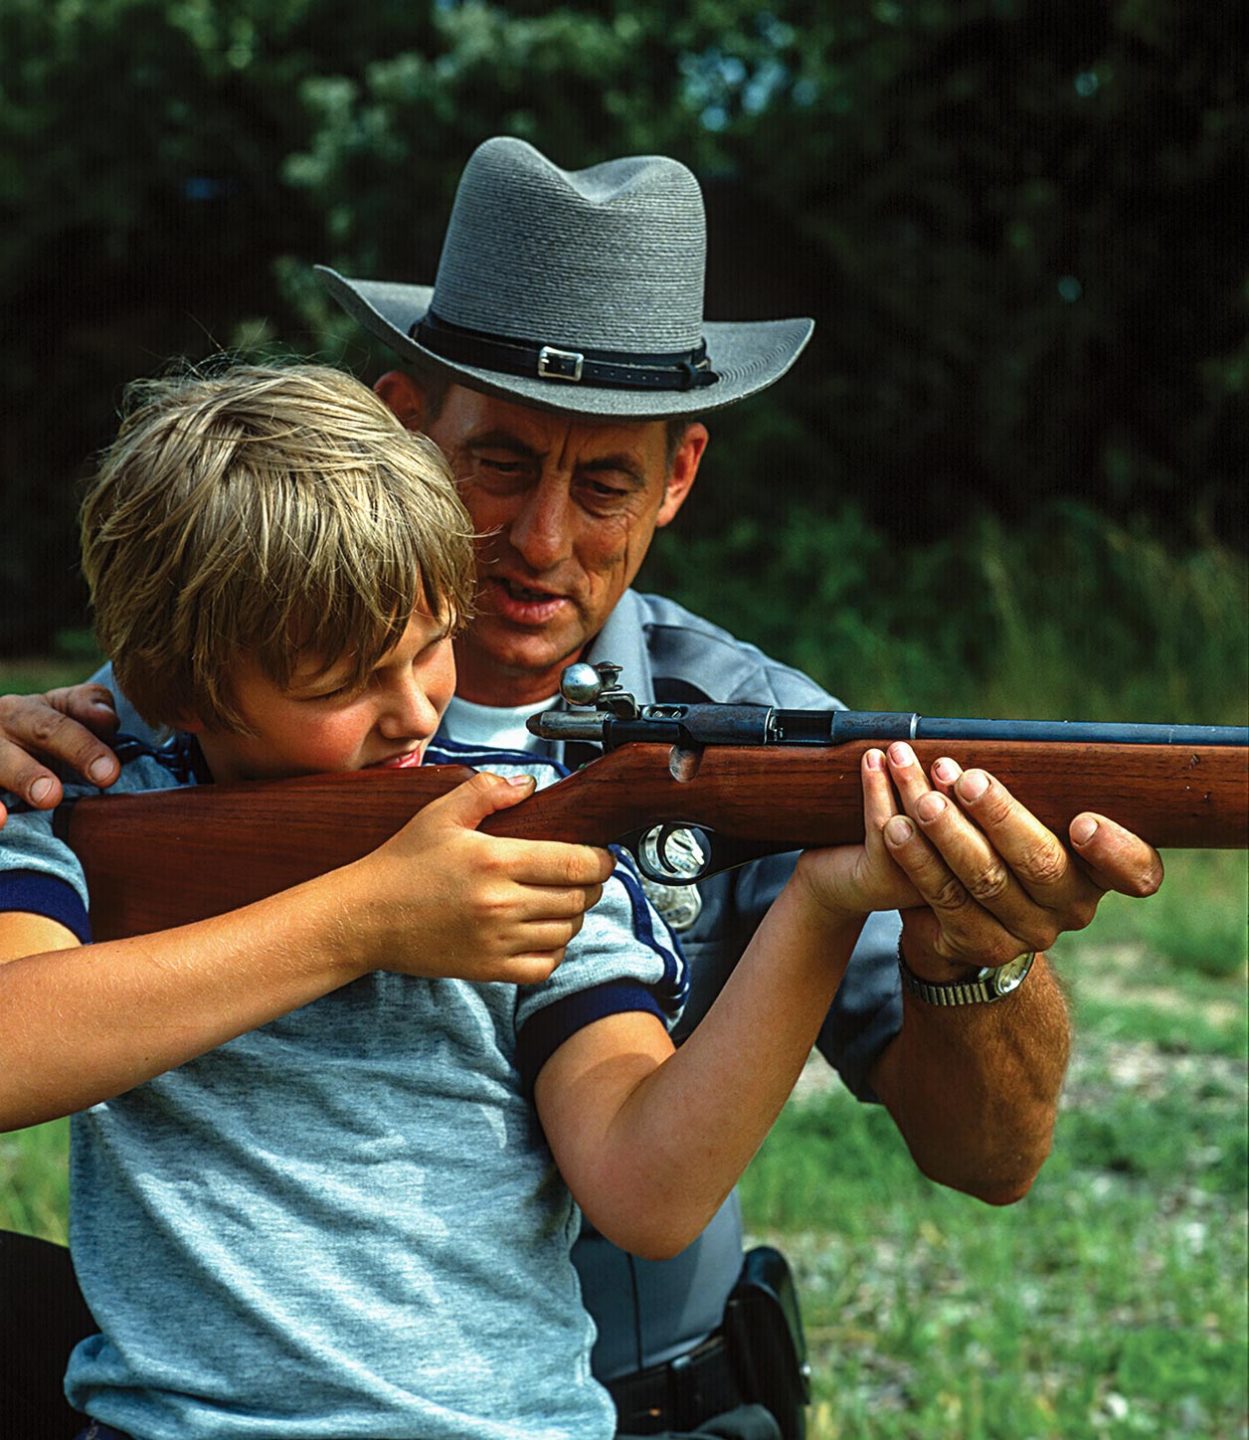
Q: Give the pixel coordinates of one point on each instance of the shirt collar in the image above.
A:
(622, 640)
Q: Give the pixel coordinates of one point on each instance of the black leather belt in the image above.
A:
(679, 1394)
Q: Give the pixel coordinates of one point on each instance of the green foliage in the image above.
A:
(1193, 922)
(1010, 220)
(1066, 615)
(34, 1181)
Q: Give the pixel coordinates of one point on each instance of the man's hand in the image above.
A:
(63, 726)
(441, 900)
(992, 880)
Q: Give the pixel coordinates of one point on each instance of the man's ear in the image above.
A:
(684, 471)
(403, 395)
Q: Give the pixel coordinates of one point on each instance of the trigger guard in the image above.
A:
(654, 861)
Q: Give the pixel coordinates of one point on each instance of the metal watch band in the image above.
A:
(990, 984)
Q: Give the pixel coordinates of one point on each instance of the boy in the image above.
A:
(311, 1194)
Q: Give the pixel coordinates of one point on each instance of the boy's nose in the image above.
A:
(409, 713)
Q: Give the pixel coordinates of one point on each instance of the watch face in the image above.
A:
(1010, 976)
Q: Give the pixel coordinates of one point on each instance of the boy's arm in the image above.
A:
(80, 1024)
(651, 1140)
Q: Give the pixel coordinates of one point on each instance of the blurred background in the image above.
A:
(1011, 466)
(1008, 477)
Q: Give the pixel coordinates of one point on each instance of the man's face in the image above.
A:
(567, 508)
(315, 724)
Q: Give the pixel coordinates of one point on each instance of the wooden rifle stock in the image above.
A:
(164, 858)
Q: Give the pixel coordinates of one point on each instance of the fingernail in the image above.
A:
(929, 806)
(874, 759)
(519, 780)
(898, 830)
(40, 789)
(946, 771)
(1083, 829)
(973, 785)
(901, 754)
(100, 770)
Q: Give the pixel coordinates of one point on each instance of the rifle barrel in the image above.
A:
(694, 726)
(872, 725)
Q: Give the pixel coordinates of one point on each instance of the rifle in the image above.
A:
(746, 781)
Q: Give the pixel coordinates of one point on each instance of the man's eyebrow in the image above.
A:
(620, 464)
(502, 440)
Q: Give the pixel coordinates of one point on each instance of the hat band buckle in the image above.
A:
(554, 364)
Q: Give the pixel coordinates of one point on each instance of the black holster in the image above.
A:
(763, 1327)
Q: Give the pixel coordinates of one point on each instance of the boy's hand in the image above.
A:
(60, 726)
(441, 900)
(851, 881)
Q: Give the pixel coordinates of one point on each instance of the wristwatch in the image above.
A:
(990, 983)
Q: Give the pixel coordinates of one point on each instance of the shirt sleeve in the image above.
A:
(40, 875)
(624, 958)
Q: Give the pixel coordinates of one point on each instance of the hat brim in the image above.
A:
(747, 356)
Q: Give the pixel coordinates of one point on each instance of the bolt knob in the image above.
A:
(581, 684)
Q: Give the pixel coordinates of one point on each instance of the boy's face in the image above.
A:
(315, 725)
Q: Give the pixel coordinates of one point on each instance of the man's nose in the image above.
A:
(541, 532)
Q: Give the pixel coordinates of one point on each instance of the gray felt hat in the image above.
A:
(579, 290)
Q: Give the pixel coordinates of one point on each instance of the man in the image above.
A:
(561, 362)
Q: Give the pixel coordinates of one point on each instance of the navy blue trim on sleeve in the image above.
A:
(546, 1031)
(37, 893)
(442, 750)
(675, 982)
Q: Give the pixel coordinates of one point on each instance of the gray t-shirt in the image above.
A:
(346, 1223)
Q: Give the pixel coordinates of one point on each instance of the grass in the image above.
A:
(1111, 1302)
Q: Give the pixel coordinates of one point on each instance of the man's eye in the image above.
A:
(601, 490)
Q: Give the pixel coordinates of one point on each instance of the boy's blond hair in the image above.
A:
(281, 511)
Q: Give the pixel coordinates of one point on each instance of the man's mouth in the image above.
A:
(523, 603)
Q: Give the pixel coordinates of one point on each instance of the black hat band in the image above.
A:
(680, 370)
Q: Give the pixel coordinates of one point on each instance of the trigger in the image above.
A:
(672, 854)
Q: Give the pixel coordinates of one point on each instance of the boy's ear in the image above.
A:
(404, 396)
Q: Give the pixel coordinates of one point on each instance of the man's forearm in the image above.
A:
(974, 1089)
